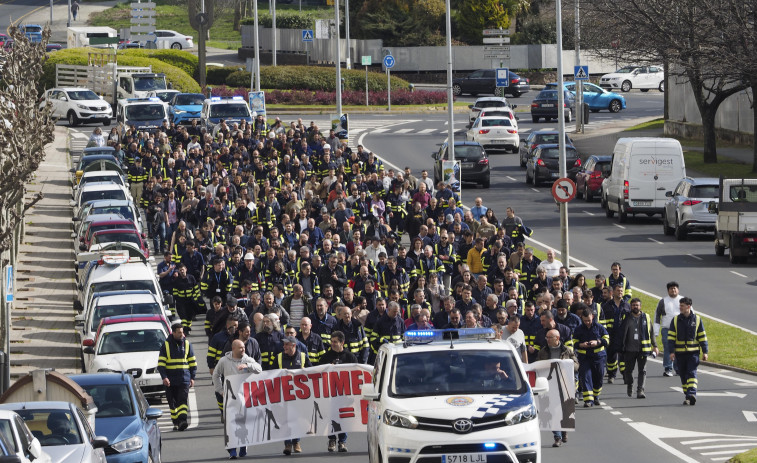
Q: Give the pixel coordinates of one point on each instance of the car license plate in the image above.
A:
(555, 174)
(464, 458)
(466, 165)
(142, 382)
(547, 105)
(642, 203)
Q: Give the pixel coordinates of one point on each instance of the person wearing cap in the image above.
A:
(292, 358)
(231, 311)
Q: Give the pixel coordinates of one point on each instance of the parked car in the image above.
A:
(598, 98)
(494, 133)
(119, 235)
(77, 105)
(489, 102)
(24, 444)
(63, 431)
(164, 95)
(536, 138)
(50, 47)
(628, 77)
(123, 416)
(686, 210)
(173, 39)
(33, 32)
(484, 81)
(474, 163)
(589, 179)
(185, 107)
(100, 225)
(91, 176)
(544, 165)
(544, 106)
(99, 190)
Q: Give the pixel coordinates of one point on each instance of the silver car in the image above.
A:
(686, 208)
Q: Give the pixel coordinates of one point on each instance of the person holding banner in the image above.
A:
(338, 355)
(235, 362)
(556, 349)
(292, 359)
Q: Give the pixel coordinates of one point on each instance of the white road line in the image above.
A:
(379, 130)
(719, 439)
(615, 412)
(403, 130)
(626, 419)
(724, 452)
(722, 446)
(535, 189)
(510, 178)
(694, 257)
(588, 213)
(425, 131)
(654, 241)
(620, 226)
(720, 458)
(739, 274)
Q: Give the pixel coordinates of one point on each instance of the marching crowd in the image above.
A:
(296, 250)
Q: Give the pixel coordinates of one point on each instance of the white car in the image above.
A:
(77, 105)
(97, 191)
(111, 176)
(495, 133)
(172, 39)
(62, 430)
(129, 343)
(487, 102)
(17, 433)
(641, 77)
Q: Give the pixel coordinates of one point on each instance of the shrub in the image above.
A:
(284, 20)
(217, 75)
(314, 78)
(238, 79)
(349, 97)
(183, 60)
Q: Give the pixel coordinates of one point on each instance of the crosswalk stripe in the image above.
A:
(425, 131)
(403, 131)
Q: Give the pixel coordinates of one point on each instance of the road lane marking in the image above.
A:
(620, 226)
(425, 131)
(588, 213)
(511, 178)
(654, 240)
(615, 412)
(626, 420)
(739, 274)
(694, 257)
(722, 446)
(713, 394)
(535, 189)
(403, 130)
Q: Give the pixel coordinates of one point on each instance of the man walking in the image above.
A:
(338, 354)
(590, 341)
(556, 349)
(75, 9)
(636, 343)
(177, 367)
(292, 358)
(686, 336)
(667, 309)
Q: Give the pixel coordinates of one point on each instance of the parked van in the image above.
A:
(643, 169)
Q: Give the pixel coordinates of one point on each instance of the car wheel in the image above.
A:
(534, 119)
(661, 87)
(587, 194)
(73, 121)
(615, 106)
(516, 94)
(457, 90)
(666, 229)
(644, 90)
(680, 231)
(106, 122)
(487, 182)
(719, 250)
(625, 86)
(622, 214)
(609, 213)
(594, 110)
(176, 46)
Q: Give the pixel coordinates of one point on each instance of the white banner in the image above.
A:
(278, 405)
(557, 408)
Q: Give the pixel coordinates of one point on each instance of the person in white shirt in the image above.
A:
(551, 265)
(667, 309)
(372, 252)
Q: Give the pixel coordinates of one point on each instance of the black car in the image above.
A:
(536, 138)
(484, 81)
(544, 165)
(544, 106)
(474, 163)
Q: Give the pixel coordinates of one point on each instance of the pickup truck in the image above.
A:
(736, 227)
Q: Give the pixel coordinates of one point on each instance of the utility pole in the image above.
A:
(338, 61)
(348, 61)
(273, 25)
(257, 47)
(68, 22)
(561, 130)
(579, 83)
(450, 97)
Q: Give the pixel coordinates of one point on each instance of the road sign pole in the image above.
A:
(366, 85)
(561, 130)
(579, 85)
(388, 90)
(338, 60)
(450, 96)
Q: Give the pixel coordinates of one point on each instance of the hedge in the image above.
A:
(180, 80)
(349, 97)
(183, 60)
(313, 78)
(215, 75)
(284, 20)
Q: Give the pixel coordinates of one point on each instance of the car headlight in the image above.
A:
(400, 420)
(81, 106)
(521, 415)
(128, 445)
(178, 111)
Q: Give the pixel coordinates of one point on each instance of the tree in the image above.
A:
(25, 130)
(399, 23)
(476, 15)
(682, 34)
(201, 22)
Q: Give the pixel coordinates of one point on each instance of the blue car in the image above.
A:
(33, 32)
(596, 97)
(185, 107)
(124, 417)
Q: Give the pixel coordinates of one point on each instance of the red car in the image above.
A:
(122, 236)
(589, 179)
(86, 241)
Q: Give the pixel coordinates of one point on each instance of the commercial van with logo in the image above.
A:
(643, 169)
(452, 396)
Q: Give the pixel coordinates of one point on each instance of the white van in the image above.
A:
(643, 169)
(456, 396)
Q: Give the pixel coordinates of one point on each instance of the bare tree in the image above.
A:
(25, 130)
(682, 34)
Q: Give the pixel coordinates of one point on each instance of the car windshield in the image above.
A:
(491, 104)
(110, 226)
(123, 211)
(547, 138)
(421, 374)
(625, 70)
(146, 84)
(101, 178)
(91, 158)
(229, 110)
(705, 191)
(52, 427)
(606, 166)
(32, 28)
(468, 152)
(112, 400)
(554, 153)
(743, 193)
(165, 96)
(129, 285)
(83, 95)
(145, 112)
(123, 309)
(495, 122)
(547, 95)
(118, 342)
(116, 238)
(107, 194)
(186, 100)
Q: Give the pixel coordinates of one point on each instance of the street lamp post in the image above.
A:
(338, 61)
(561, 130)
(450, 97)
(257, 47)
(347, 60)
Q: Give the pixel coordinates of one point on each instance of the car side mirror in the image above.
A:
(668, 194)
(712, 207)
(368, 391)
(100, 442)
(153, 413)
(470, 106)
(72, 203)
(515, 106)
(35, 448)
(64, 98)
(88, 350)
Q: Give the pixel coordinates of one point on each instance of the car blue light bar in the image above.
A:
(215, 98)
(237, 98)
(439, 335)
(489, 445)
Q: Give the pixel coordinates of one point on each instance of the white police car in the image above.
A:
(143, 113)
(456, 396)
(231, 110)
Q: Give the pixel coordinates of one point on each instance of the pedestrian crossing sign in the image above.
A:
(581, 72)
(307, 35)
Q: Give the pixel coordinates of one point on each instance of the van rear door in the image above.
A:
(669, 169)
(656, 167)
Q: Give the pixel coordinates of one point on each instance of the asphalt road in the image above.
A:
(18, 10)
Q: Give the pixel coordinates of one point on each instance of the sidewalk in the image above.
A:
(42, 317)
(60, 17)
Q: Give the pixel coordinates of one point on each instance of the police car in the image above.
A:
(231, 110)
(456, 396)
(143, 113)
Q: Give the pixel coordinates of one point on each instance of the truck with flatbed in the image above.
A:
(736, 228)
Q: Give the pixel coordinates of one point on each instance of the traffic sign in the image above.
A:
(563, 190)
(365, 60)
(497, 40)
(496, 55)
(389, 61)
(497, 48)
(495, 32)
(503, 77)
(307, 35)
(581, 72)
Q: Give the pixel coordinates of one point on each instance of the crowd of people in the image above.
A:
(305, 252)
